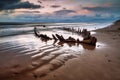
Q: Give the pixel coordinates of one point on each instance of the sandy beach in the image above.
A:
(101, 62)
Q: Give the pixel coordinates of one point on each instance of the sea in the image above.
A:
(20, 29)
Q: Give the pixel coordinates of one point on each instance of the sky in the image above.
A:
(59, 10)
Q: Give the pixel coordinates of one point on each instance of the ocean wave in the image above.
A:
(10, 30)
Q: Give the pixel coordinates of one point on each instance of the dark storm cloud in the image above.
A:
(55, 6)
(22, 5)
(16, 4)
(103, 9)
(39, 1)
(29, 12)
(64, 12)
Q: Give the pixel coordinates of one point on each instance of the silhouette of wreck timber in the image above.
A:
(87, 38)
(61, 39)
(78, 31)
(43, 36)
(54, 37)
(90, 40)
(72, 30)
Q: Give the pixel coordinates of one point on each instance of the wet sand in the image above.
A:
(31, 60)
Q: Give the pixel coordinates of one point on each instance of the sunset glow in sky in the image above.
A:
(59, 10)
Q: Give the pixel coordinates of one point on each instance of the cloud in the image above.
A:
(33, 12)
(103, 9)
(52, 18)
(55, 6)
(16, 4)
(39, 1)
(64, 12)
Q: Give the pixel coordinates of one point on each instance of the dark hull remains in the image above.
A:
(43, 36)
(90, 40)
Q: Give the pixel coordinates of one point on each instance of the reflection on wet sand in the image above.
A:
(37, 57)
(70, 44)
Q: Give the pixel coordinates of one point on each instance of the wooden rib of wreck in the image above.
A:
(60, 38)
(78, 31)
(54, 37)
(43, 36)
